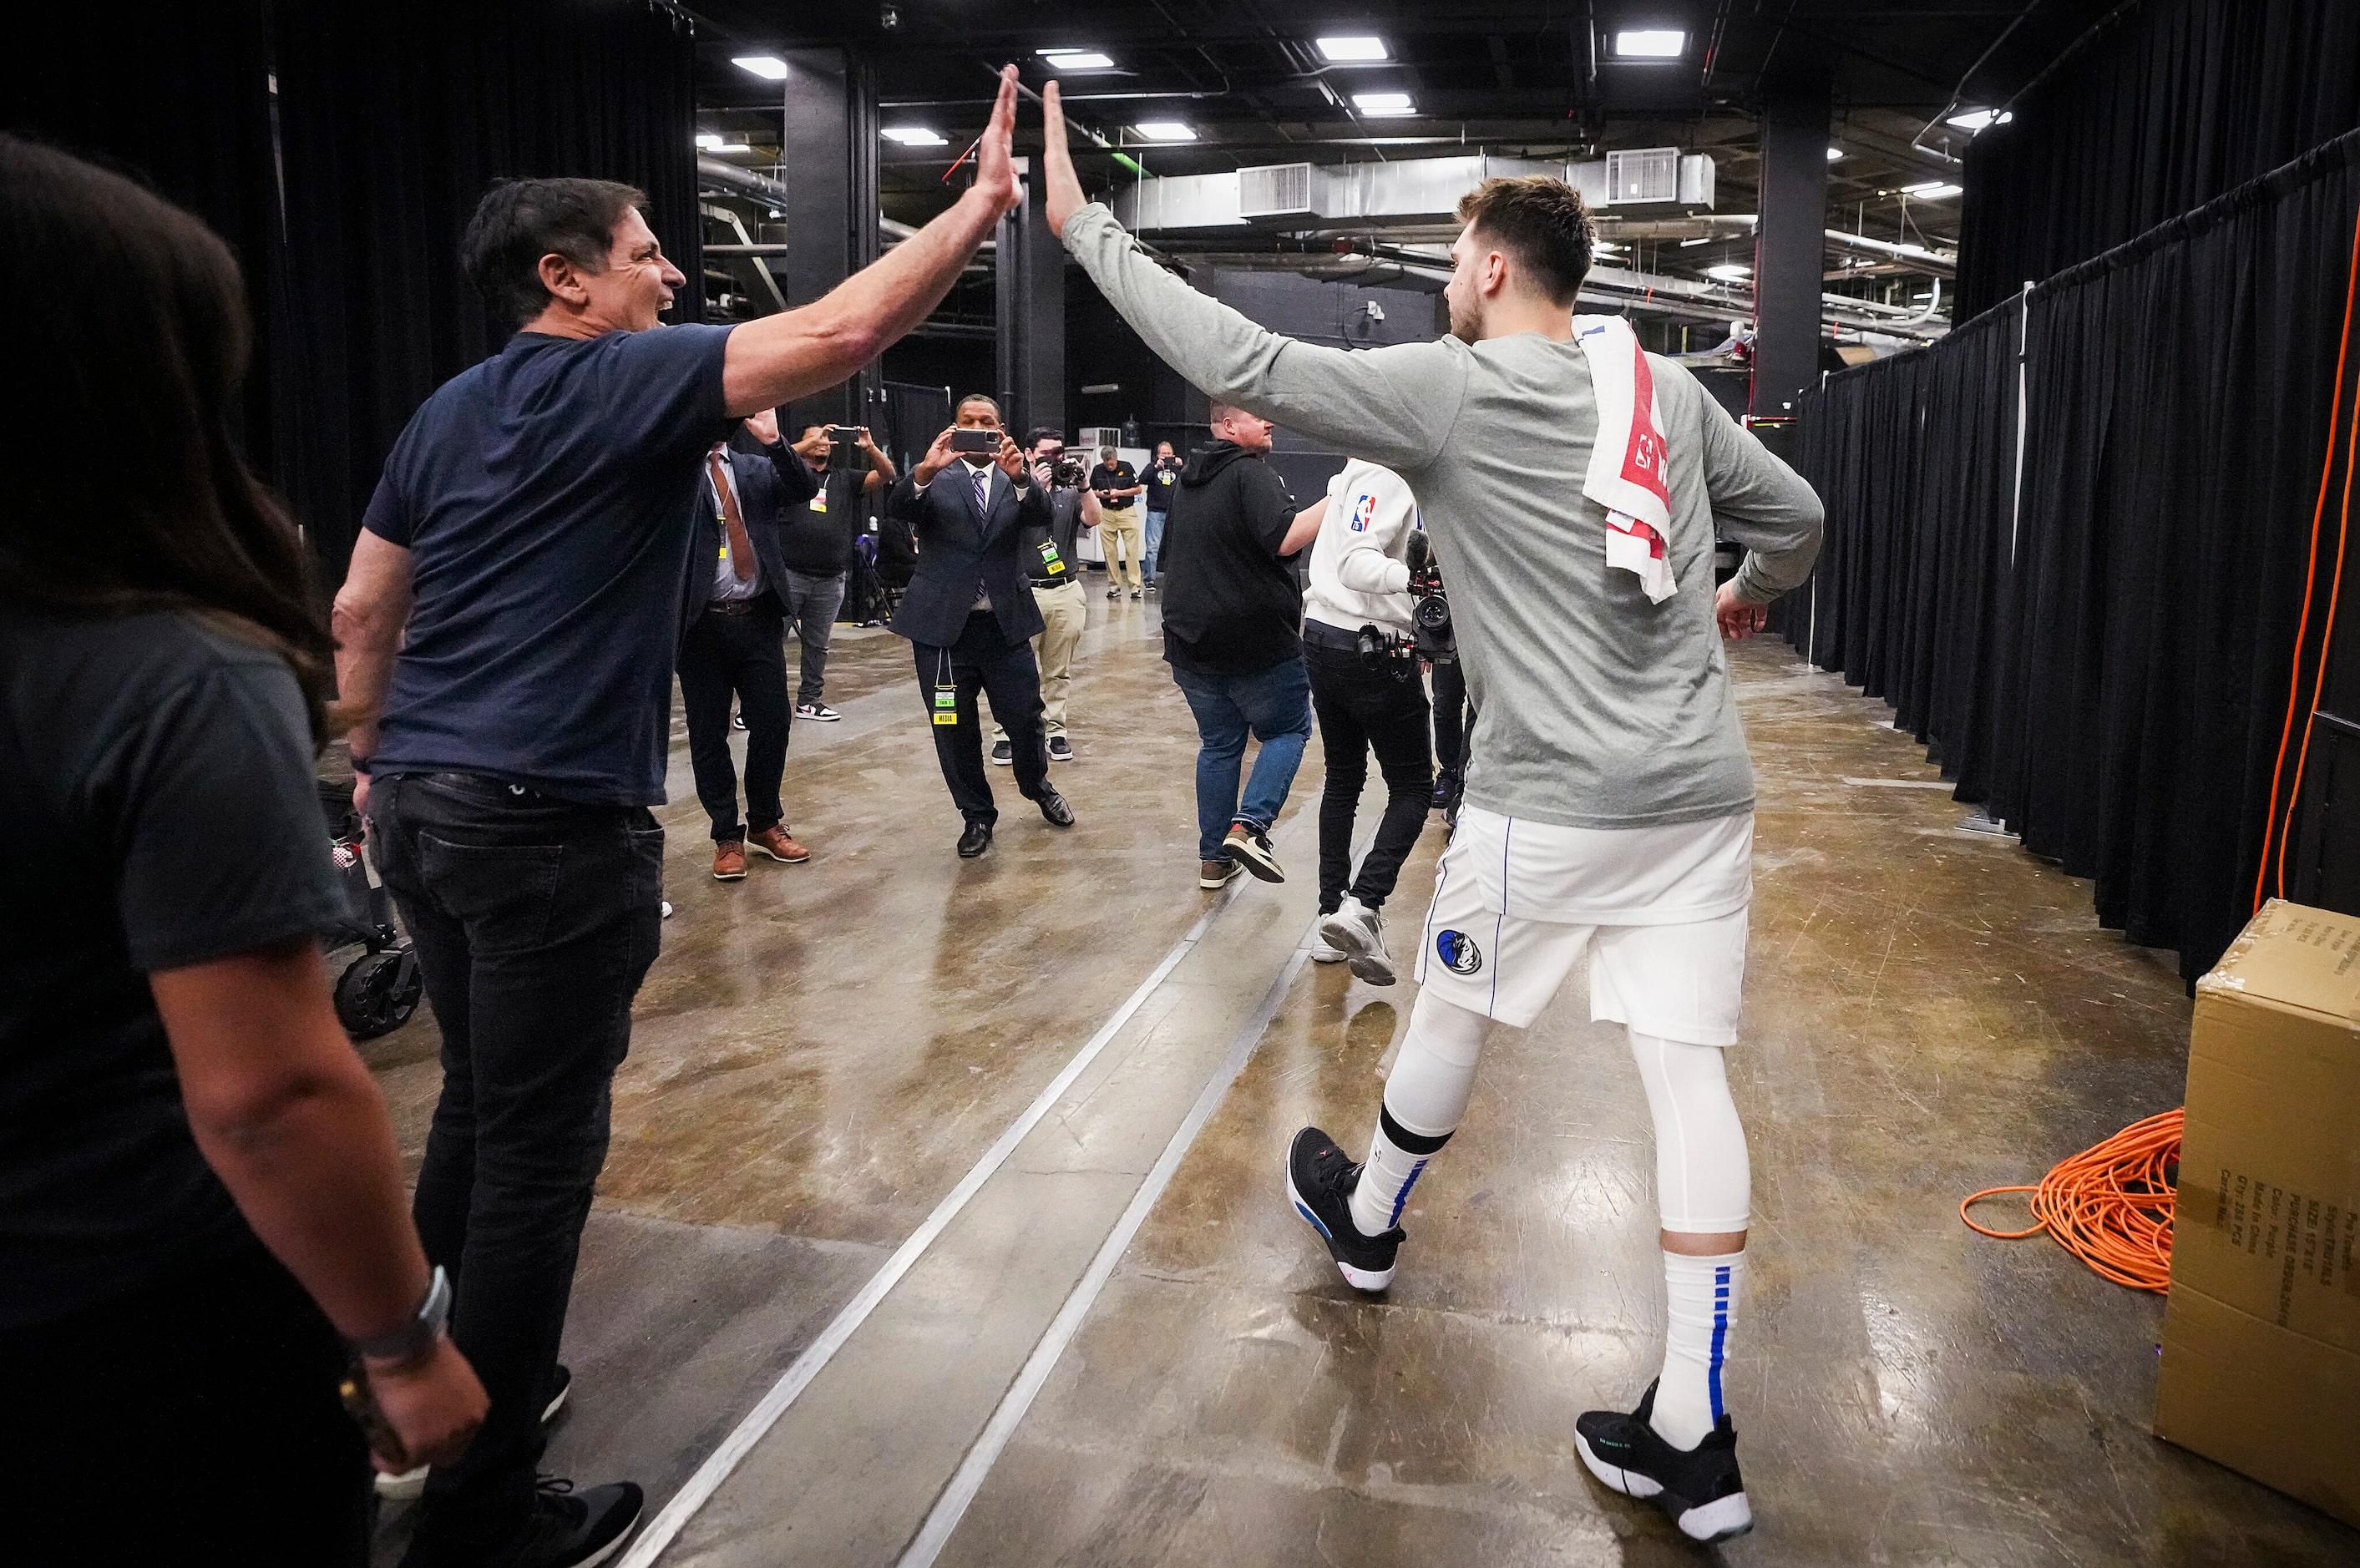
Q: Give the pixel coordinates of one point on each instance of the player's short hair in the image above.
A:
(1217, 411)
(1543, 224)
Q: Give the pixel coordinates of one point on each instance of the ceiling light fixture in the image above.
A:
(1931, 190)
(1978, 119)
(1834, 153)
(1729, 272)
(1353, 51)
(769, 67)
(1075, 60)
(1165, 131)
(1382, 105)
(1654, 43)
(707, 140)
(915, 135)
(1700, 239)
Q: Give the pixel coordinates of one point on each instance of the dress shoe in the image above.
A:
(1055, 811)
(730, 860)
(975, 840)
(777, 842)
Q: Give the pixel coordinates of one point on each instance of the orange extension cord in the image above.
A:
(2109, 1206)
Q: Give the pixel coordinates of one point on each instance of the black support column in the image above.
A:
(830, 97)
(1029, 298)
(1790, 256)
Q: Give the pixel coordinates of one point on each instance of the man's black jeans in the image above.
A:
(1360, 711)
(535, 920)
(983, 661)
(742, 655)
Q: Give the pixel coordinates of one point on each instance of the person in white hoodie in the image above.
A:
(1365, 689)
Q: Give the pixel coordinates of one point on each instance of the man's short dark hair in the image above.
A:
(1039, 433)
(520, 221)
(1541, 222)
(985, 398)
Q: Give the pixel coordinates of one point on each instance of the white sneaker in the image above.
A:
(1359, 933)
(1323, 953)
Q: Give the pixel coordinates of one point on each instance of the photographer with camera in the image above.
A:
(816, 540)
(1048, 552)
(1361, 644)
(1118, 488)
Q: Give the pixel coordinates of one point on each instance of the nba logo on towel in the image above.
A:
(1364, 512)
(1459, 953)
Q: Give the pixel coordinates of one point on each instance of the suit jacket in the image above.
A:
(767, 484)
(961, 547)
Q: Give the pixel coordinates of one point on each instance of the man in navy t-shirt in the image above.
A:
(509, 624)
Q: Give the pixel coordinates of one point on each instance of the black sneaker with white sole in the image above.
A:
(818, 712)
(1060, 749)
(1003, 752)
(1319, 1182)
(1700, 1487)
(1250, 847)
(570, 1531)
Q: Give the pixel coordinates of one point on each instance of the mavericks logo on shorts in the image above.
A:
(1459, 953)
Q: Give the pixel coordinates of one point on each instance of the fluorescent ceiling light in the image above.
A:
(1931, 190)
(729, 147)
(1607, 247)
(706, 139)
(1700, 239)
(1380, 104)
(1165, 131)
(1661, 43)
(1921, 295)
(1977, 119)
(1354, 51)
(1729, 272)
(769, 67)
(1834, 153)
(1074, 59)
(915, 135)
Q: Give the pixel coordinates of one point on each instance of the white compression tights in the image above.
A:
(1703, 1183)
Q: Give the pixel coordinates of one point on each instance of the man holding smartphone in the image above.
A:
(816, 541)
(1051, 562)
(1116, 486)
(969, 615)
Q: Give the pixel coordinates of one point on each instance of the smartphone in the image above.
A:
(983, 443)
(846, 436)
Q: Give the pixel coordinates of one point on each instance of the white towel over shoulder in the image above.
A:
(1627, 467)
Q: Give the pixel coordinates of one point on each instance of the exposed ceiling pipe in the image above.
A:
(738, 181)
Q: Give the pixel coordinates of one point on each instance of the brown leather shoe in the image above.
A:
(730, 860)
(777, 842)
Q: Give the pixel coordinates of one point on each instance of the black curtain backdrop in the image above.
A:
(392, 127)
(2180, 102)
(184, 108)
(2108, 669)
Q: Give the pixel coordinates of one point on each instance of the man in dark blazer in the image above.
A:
(733, 623)
(969, 615)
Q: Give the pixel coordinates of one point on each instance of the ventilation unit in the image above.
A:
(1276, 190)
(1643, 174)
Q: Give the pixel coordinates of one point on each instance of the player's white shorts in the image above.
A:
(1661, 912)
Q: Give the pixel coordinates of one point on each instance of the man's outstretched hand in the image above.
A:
(1065, 194)
(995, 168)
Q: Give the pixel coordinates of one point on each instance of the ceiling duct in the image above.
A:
(1658, 177)
(1314, 196)
(1283, 190)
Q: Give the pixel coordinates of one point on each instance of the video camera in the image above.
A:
(1436, 642)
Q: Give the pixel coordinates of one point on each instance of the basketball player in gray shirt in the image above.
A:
(1609, 799)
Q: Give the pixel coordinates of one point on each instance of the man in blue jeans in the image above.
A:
(1232, 620)
(1163, 481)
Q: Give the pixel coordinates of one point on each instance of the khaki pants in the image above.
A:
(1122, 533)
(1066, 611)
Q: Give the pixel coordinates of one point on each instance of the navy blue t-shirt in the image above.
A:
(549, 500)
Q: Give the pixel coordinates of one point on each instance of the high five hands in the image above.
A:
(995, 168)
(1064, 193)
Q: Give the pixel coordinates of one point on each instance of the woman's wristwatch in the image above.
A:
(416, 1337)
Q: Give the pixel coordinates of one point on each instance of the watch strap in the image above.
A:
(418, 1335)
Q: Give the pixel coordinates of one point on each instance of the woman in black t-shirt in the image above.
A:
(201, 1214)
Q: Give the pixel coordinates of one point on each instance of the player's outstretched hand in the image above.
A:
(1739, 620)
(995, 167)
(1065, 194)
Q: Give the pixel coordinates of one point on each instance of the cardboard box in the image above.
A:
(2261, 1337)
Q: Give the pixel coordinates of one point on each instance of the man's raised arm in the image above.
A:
(780, 358)
(1394, 405)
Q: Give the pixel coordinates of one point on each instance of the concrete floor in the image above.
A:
(960, 1180)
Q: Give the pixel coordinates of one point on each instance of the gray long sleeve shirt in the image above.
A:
(1599, 710)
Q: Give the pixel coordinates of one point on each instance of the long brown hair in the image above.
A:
(121, 488)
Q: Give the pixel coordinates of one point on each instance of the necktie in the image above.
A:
(741, 548)
(983, 493)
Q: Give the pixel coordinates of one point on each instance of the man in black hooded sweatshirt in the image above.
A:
(1232, 620)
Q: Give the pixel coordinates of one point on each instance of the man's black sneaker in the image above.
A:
(1319, 1182)
(570, 1531)
(1250, 847)
(1114, 593)
(737, 721)
(1060, 749)
(1444, 787)
(1700, 1487)
(559, 1387)
(1003, 752)
(818, 712)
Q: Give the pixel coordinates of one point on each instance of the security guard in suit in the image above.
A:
(969, 615)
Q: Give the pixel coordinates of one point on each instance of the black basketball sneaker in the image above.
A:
(1319, 1182)
(1700, 1487)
